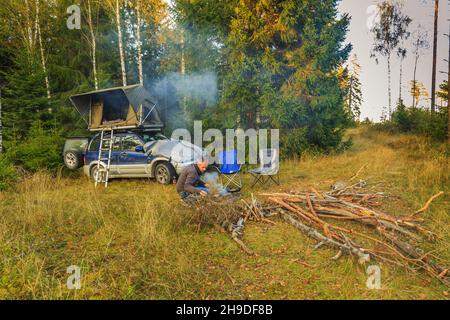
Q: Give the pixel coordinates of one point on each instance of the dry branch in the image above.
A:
(313, 233)
(427, 205)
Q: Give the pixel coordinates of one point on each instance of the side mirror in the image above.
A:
(139, 149)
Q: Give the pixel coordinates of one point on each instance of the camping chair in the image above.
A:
(230, 171)
(268, 168)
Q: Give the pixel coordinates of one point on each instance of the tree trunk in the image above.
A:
(183, 66)
(29, 29)
(389, 87)
(448, 90)
(414, 81)
(44, 64)
(400, 85)
(93, 45)
(138, 31)
(350, 96)
(121, 52)
(433, 77)
(183, 58)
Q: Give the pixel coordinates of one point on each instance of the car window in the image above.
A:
(153, 137)
(129, 143)
(96, 143)
(116, 144)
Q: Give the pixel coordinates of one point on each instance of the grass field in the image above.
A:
(133, 240)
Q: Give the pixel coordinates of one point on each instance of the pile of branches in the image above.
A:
(228, 214)
(328, 217)
(394, 240)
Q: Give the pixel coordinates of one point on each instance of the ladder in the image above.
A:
(104, 155)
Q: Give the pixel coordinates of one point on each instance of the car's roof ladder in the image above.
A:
(104, 157)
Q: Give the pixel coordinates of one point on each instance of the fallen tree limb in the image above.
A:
(427, 205)
(313, 233)
(357, 173)
(243, 246)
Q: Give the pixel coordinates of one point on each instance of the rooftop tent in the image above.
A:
(118, 108)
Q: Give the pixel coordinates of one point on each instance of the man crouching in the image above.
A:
(189, 182)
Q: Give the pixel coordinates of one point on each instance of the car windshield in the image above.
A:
(149, 137)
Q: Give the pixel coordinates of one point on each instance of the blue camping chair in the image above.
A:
(230, 171)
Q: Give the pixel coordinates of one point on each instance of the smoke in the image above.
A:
(198, 86)
(179, 96)
(216, 188)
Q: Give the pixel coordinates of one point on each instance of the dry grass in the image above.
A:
(133, 240)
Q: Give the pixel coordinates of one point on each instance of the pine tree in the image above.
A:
(24, 99)
(353, 84)
(284, 59)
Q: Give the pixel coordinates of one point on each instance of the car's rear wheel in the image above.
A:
(164, 173)
(72, 160)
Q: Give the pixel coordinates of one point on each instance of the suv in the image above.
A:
(145, 155)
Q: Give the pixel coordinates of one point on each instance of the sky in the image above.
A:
(374, 76)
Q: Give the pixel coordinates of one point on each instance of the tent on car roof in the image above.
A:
(118, 108)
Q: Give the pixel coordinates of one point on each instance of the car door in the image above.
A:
(92, 153)
(115, 152)
(132, 162)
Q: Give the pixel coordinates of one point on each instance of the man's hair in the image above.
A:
(203, 160)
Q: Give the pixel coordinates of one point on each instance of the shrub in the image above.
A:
(418, 121)
(8, 173)
(40, 150)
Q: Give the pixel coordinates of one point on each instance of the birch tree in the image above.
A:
(93, 43)
(420, 44)
(115, 7)
(23, 23)
(139, 44)
(389, 32)
(41, 49)
(148, 13)
(28, 35)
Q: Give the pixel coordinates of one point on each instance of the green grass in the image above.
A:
(133, 240)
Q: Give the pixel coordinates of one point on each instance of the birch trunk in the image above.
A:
(29, 29)
(183, 66)
(435, 46)
(389, 86)
(448, 90)
(401, 80)
(138, 31)
(414, 81)
(93, 45)
(183, 58)
(39, 37)
(121, 52)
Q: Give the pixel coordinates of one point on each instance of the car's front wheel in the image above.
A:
(164, 173)
(98, 174)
